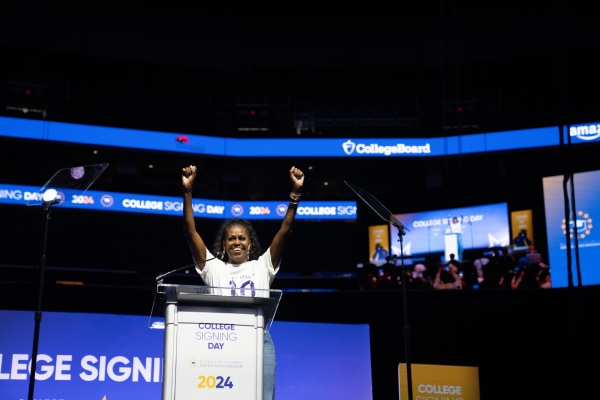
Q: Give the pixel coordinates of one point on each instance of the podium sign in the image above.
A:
(216, 358)
(214, 340)
(452, 246)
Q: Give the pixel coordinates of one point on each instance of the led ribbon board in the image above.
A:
(166, 205)
(231, 147)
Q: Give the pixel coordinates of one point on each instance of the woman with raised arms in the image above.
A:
(240, 262)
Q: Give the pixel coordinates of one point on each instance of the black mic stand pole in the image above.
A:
(405, 311)
(38, 312)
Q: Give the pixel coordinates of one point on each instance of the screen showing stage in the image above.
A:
(587, 193)
(116, 357)
(480, 227)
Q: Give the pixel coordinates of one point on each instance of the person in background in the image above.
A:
(446, 279)
(533, 257)
(380, 253)
(522, 240)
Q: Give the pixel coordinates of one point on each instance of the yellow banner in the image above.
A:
(521, 221)
(379, 243)
(446, 382)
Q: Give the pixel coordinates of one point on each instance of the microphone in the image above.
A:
(160, 277)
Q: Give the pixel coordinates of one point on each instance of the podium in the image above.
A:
(213, 346)
(452, 245)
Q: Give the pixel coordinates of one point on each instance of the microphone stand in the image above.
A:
(406, 327)
(38, 313)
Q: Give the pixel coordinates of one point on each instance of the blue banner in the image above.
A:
(231, 147)
(149, 204)
(116, 357)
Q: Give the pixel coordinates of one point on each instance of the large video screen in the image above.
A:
(587, 193)
(116, 357)
(480, 227)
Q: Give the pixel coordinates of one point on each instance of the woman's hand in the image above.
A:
(188, 176)
(297, 178)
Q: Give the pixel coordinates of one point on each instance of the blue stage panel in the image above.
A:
(89, 356)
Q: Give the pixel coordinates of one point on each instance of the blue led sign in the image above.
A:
(166, 205)
(231, 147)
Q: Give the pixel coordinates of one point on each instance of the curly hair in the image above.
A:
(255, 249)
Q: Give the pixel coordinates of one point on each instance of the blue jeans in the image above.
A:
(269, 368)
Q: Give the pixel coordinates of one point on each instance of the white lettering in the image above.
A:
(439, 389)
(60, 367)
(85, 364)
(157, 367)
(17, 366)
(102, 372)
(32, 196)
(346, 210)
(125, 371)
(585, 132)
(199, 208)
(215, 209)
(143, 204)
(139, 368)
(11, 194)
(316, 210)
(173, 206)
(3, 375)
(426, 223)
(48, 369)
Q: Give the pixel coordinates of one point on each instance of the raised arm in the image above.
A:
(197, 246)
(278, 243)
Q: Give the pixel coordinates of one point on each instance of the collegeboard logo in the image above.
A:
(107, 201)
(583, 224)
(237, 210)
(281, 209)
(350, 147)
(585, 132)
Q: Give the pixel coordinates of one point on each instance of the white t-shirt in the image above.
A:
(255, 274)
(456, 227)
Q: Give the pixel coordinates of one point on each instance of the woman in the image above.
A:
(240, 261)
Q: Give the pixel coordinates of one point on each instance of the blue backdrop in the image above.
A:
(89, 356)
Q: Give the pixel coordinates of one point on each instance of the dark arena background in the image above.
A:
(372, 72)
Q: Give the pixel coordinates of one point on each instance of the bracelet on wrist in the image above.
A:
(293, 202)
(295, 196)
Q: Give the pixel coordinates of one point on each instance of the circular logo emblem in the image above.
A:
(107, 200)
(281, 209)
(193, 363)
(582, 226)
(61, 196)
(237, 210)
